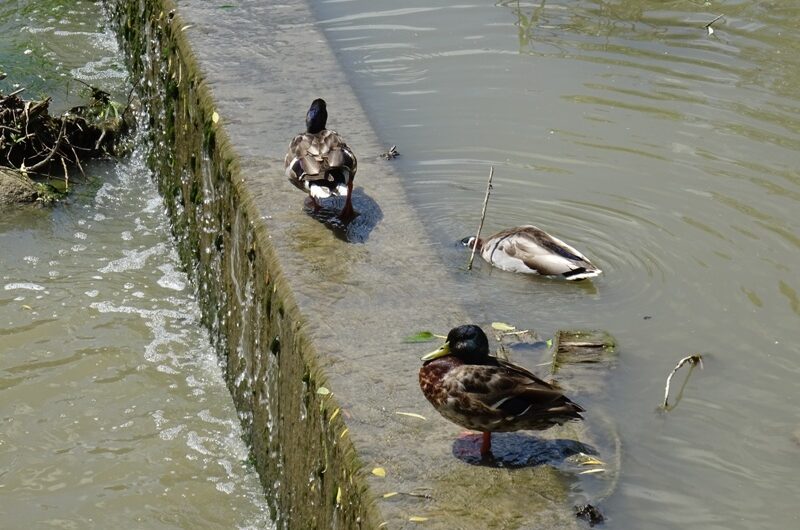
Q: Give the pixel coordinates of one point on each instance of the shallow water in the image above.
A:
(113, 406)
(669, 156)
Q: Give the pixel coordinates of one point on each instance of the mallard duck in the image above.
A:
(319, 161)
(531, 250)
(483, 393)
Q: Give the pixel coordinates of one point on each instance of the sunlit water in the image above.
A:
(667, 154)
(113, 408)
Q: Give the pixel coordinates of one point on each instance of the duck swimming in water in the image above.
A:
(483, 393)
(320, 162)
(531, 250)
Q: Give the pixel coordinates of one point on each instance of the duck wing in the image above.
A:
(542, 253)
(320, 156)
(505, 396)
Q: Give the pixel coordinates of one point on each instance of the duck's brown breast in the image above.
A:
(430, 380)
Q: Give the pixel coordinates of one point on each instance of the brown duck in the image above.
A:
(483, 393)
(320, 162)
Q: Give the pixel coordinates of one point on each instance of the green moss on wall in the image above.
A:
(300, 448)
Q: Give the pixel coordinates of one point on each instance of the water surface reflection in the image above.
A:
(665, 153)
(113, 408)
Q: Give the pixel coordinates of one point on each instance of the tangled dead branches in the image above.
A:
(36, 143)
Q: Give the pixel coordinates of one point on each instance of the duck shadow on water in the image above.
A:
(358, 229)
(517, 450)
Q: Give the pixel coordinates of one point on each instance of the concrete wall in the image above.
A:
(308, 469)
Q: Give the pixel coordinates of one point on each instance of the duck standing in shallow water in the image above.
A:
(483, 393)
(319, 161)
(531, 250)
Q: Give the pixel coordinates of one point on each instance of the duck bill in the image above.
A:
(441, 352)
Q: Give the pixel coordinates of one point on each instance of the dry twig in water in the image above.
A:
(708, 26)
(483, 216)
(694, 360)
(52, 151)
(717, 18)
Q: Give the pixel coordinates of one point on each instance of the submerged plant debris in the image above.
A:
(589, 513)
(41, 152)
(582, 346)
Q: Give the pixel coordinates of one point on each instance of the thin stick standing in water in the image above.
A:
(710, 23)
(693, 360)
(483, 216)
(708, 26)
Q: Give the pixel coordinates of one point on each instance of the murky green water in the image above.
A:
(113, 409)
(667, 154)
(670, 157)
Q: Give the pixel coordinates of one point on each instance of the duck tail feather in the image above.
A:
(582, 273)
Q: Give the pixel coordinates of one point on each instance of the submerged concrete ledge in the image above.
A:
(309, 327)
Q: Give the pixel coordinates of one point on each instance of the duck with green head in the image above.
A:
(483, 393)
(320, 162)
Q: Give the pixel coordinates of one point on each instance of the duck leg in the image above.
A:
(486, 444)
(315, 206)
(347, 212)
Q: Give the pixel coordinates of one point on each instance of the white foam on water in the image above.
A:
(171, 433)
(102, 69)
(172, 278)
(225, 487)
(23, 285)
(134, 259)
(153, 205)
(195, 442)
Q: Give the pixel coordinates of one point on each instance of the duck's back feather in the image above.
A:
(528, 249)
(322, 160)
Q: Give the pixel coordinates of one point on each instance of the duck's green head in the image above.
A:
(468, 343)
(317, 116)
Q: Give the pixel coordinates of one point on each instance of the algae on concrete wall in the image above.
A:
(299, 443)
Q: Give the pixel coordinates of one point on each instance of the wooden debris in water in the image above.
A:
(693, 360)
(708, 26)
(483, 216)
(35, 144)
(581, 346)
(583, 358)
